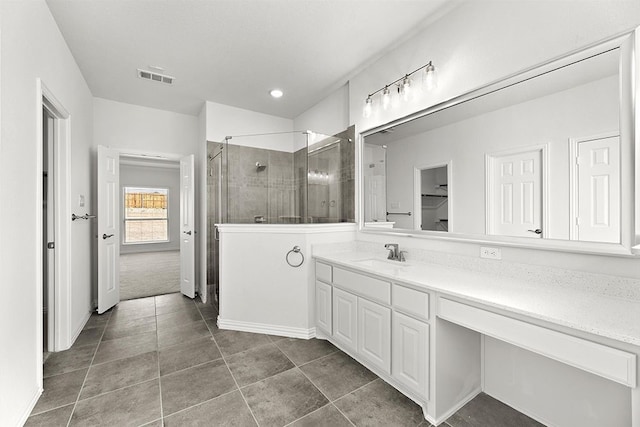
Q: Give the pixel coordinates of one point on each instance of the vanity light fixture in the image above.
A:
(276, 93)
(403, 87)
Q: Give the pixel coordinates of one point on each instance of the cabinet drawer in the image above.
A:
(323, 272)
(607, 362)
(366, 286)
(411, 301)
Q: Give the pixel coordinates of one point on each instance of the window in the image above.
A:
(145, 215)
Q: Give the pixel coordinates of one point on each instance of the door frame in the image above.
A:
(150, 155)
(60, 302)
(417, 195)
(573, 178)
(544, 185)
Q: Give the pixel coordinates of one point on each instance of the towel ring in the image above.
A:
(296, 249)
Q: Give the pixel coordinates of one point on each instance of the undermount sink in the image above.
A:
(381, 264)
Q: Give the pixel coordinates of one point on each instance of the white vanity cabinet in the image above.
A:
(383, 325)
(323, 307)
(374, 334)
(410, 342)
(345, 319)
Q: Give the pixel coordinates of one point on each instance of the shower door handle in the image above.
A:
(188, 233)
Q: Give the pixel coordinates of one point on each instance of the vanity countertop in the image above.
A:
(583, 310)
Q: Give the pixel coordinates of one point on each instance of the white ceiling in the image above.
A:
(233, 51)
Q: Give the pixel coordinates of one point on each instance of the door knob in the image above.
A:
(187, 232)
(537, 231)
(106, 236)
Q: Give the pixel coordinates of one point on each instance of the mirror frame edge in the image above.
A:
(629, 70)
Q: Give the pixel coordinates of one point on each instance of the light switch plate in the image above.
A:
(81, 201)
(490, 253)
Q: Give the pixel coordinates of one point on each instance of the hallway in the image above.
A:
(162, 361)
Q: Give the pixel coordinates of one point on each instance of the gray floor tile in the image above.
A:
(258, 363)
(303, 351)
(123, 316)
(213, 326)
(130, 327)
(208, 312)
(170, 303)
(156, 423)
(182, 333)
(120, 373)
(97, 320)
(171, 320)
(337, 374)
(131, 406)
(126, 347)
(283, 398)
(379, 404)
(184, 356)
(327, 416)
(54, 418)
(133, 309)
(89, 336)
(69, 360)
(60, 390)
(189, 387)
(133, 305)
(228, 410)
(232, 342)
(484, 410)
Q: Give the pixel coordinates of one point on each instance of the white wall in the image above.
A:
(142, 129)
(223, 120)
(32, 47)
(161, 177)
(329, 116)
(271, 297)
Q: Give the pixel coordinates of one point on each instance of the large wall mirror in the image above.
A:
(543, 159)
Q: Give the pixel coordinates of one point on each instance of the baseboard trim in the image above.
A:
(263, 328)
(32, 404)
(77, 333)
(442, 418)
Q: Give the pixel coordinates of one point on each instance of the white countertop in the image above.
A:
(606, 316)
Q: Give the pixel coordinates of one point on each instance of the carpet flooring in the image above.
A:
(149, 273)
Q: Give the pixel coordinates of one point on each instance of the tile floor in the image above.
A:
(162, 361)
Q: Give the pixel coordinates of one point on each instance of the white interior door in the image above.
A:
(598, 190)
(50, 208)
(108, 228)
(515, 207)
(187, 232)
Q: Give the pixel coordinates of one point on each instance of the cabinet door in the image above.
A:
(345, 319)
(374, 334)
(323, 307)
(410, 353)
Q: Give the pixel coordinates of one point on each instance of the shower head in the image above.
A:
(260, 166)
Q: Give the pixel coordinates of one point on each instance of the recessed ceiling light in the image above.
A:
(276, 93)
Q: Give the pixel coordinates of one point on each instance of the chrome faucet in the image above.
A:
(394, 253)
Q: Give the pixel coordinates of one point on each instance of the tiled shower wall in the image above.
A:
(261, 194)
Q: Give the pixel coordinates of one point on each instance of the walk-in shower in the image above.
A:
(279, 178)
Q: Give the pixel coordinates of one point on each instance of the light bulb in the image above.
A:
(405, 88)
(429, 77)
(386, 98)
(368, 107)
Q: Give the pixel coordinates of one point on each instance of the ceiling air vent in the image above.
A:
(161, 78)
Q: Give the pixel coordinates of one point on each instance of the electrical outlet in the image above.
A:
(490, 253)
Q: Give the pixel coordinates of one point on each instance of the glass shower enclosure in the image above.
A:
(278, 178)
